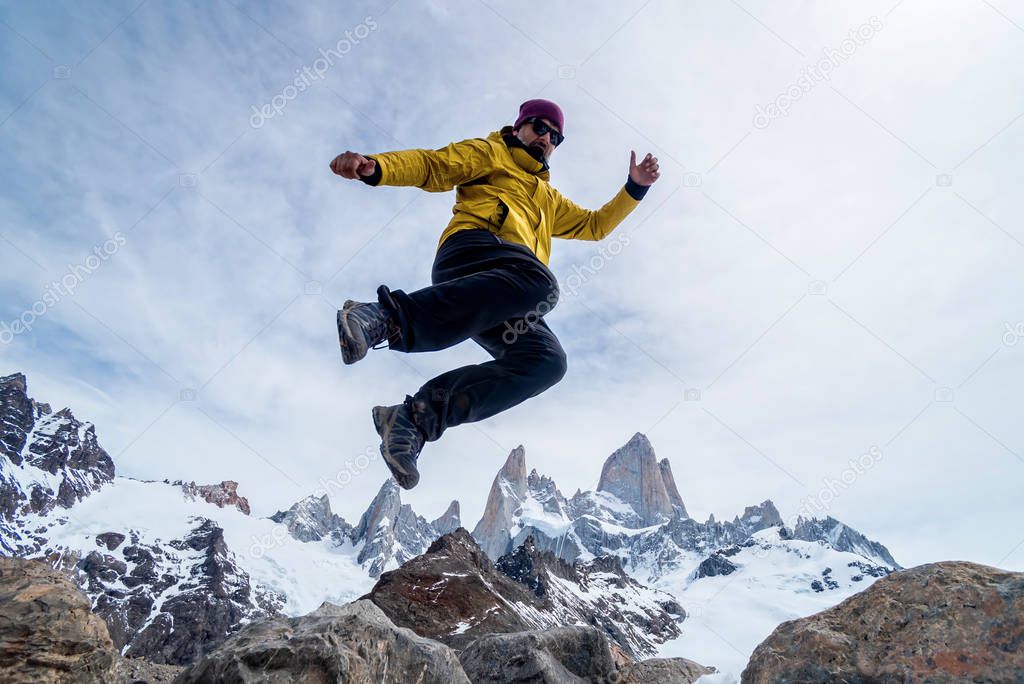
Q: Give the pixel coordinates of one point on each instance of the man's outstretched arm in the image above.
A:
(432, 170)
(573, 222)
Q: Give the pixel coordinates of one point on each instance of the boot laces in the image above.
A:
(405, 434)
(375, 322)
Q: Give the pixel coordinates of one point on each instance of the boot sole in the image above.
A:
(353, 347)
(406, 478)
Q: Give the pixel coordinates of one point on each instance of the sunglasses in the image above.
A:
(540, 128)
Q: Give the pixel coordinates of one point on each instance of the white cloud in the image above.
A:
(714, 292)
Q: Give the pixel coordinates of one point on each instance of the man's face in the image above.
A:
(529, 137)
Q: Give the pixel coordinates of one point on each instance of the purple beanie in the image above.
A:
(541, 108)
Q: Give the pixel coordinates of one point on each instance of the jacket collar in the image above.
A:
(521, 154)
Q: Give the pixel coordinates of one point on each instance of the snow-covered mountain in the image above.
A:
(636, 514)
(49, 460)
(737, 595)
(736, 579)
(387, 534)
(597, 592)
(176, 567)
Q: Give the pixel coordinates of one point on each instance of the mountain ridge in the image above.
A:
(176, 567)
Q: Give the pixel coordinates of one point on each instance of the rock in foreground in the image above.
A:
(351, 643)
(567, 654)
(47, 633)
(942, 622)
(554, 655)
(663, 671)
(358, 643)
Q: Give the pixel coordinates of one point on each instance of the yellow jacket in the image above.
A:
(501, 187)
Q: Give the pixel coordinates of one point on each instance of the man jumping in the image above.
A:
(491, 282)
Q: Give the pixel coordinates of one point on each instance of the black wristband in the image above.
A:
(374, 177)
(635, 190)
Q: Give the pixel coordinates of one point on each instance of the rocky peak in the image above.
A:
(453, 542)
(603, 507)
(635, 514)
(16, 417)
(59, 441)
(538, 481)
(450, 520)
(460, 545)
(633, 475)
(383, 510)
(670, 486)
(533, 568)
(841, 537)
(545, 491)
(55, 460)
(514, 470)
(311, 519)
(507, 492)
(14, 381)
(763, 515)
(221, 495)
(390, 532)
(453, 593)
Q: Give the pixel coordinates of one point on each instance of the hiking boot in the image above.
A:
(401, 442)
(361, 327)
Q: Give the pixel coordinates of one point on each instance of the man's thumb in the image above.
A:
(632, 158)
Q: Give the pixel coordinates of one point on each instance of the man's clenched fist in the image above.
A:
(352, 165)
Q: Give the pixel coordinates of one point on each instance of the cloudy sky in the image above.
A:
(819, 302)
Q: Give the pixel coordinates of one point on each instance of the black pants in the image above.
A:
(496, 293)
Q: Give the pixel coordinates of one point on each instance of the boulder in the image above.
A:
(568, 654)
(47, 633)
(663, 671)
(942, 622)
(559, 654)
(351, 643)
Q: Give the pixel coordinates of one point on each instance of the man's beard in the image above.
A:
(534, 149)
